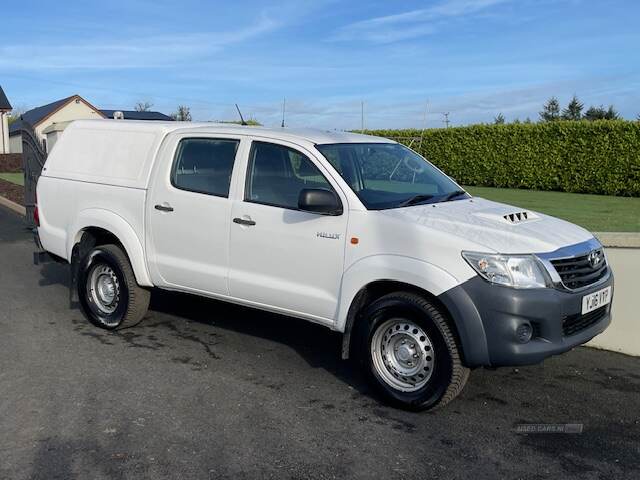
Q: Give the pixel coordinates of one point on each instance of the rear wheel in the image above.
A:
(109, 294)
(409, 353)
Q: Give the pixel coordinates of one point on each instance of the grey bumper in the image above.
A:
(487, 315)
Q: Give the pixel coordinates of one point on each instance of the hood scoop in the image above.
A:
(519, 217)
(510, 218)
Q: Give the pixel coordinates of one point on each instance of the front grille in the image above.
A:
(573, 324)
(578, 272)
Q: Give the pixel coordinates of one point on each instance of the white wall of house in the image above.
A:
(75, 110)
(15, 144)
(52, 138)
(53, 133)
(4, 132)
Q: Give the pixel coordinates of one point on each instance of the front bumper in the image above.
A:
(487, 315)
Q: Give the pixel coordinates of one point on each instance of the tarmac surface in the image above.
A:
(203, 389)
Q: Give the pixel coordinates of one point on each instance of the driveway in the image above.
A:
(202, 389)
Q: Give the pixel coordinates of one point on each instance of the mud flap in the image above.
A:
(80, 250)
(40, 257)
(74, 300)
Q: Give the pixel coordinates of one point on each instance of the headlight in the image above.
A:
(518, 271)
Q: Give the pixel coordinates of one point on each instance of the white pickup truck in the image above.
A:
(354, 232)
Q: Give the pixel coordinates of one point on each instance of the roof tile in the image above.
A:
(4, 101)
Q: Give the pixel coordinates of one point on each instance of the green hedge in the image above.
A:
(601, 157)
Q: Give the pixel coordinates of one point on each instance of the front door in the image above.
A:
(280, 256)
(189, 211)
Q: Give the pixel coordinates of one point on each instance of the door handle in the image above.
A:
(164, 208)
(244, 221)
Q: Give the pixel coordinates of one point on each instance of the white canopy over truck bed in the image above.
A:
(107, 151)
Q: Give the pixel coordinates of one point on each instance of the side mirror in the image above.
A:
(316, 200)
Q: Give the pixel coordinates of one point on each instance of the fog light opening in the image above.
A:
(524, 332)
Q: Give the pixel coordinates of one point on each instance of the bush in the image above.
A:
(601, 157)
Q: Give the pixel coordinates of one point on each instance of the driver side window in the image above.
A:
(276, 175)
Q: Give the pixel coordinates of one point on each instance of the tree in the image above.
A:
(183, 114)
(573, 111)
(499, 120)
(612, 114)
(601, 113)
(527, 121)
(595, 113)
(14, 116)
(551, 110)
(143, 106)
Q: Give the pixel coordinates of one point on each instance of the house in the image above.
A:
(71, 108)
(50, 120)
(5, 108)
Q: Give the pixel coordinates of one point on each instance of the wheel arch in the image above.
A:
(408, 274)
(99, 227)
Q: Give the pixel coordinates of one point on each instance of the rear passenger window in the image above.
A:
(277, 174)
(204, 165)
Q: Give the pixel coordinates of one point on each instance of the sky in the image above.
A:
(402, 63)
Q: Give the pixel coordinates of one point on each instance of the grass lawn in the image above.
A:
(597, 213)
(17, 178)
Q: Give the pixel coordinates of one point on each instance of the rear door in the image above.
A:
(280, 256)
(189, 211)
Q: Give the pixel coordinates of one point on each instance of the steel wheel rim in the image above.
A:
(402, 354)
(104, 288)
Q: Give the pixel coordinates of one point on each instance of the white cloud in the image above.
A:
(412, 24)
(127, 53)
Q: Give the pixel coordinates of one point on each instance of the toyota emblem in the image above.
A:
(594, 258)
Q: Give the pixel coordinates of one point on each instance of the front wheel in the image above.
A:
(408, 352)
(107, 289)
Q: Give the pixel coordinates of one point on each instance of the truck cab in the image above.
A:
(354, 232)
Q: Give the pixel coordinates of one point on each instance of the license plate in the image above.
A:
(596, 300)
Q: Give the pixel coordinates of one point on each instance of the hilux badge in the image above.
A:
(333, 236)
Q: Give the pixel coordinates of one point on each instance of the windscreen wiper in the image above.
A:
(452, 195)
(415, 199)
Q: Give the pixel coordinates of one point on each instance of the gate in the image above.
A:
(33, 158)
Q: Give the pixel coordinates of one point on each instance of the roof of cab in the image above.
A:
(315, 136)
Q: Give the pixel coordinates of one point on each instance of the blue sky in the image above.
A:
(472, 58)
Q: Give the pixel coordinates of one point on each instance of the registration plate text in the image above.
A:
(596, 300)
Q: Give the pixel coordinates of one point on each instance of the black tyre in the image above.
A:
(109, 295)
(409, 353)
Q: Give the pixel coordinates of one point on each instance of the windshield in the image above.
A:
(389, 175)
